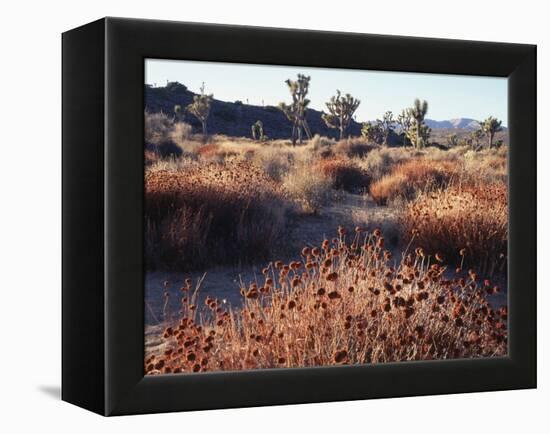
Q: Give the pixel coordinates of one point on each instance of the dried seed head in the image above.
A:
(334, 295)
(332, 276)
(340, 356)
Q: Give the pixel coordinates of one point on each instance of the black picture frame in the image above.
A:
(103, 178)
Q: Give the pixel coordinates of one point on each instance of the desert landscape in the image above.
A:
(280, 236)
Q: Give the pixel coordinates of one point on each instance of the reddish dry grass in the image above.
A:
(408, 179)
(345, 174)
(341, 303)
(471, 217)
(211, 214)
(213, 151)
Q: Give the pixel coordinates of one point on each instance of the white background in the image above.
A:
(30, 215)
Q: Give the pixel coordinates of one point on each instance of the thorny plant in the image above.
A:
(344, 302)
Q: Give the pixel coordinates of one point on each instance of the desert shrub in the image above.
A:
(344, 174)
(213, 152)
(181, 133)
(344, 302)
(275, 162)
(158, 127)
(487, 165)
(381, 161)
(353, 147)
(166, 137)
(466, 223)
(211, 214)
(409, 179)
(322, 145)
(168, 149)
(208, 150)
(308, 187)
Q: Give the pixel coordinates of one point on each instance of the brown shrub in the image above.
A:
(412, 177)
(353, 147)
(165, 136)
(344, 174)
(471, 217)
(158, 127)
(369, 311)
(211, 214)
(308, 187)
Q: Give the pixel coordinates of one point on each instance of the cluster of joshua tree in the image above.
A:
(409, 125)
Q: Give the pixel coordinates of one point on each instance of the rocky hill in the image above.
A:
(235, 118)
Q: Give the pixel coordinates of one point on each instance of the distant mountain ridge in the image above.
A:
(236, 118)
(458, 123)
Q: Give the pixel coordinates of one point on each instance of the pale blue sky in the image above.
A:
(449, 96)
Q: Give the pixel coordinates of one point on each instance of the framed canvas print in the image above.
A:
(263, 216)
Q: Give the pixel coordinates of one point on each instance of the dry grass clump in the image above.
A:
(489, 165)
(469, 224)
(353, 147)
(181, 132)
(167, 137)
(379, 162)
(275, 161)
(158, 127)
(211, 214)
(344, 302)
(408, 179)
(322, 145)
(307, 186)
(172, 164)
(212, 152)
(345, 174)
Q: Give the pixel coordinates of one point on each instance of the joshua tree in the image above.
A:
(421, 131)
(475, 139)
(258, 131)
(491, 126)
(419, 135)
(340, 112)
(372, 133)
(296, 110)
(386, 126)
(452, 140)
(200, 108)
(404, 120)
